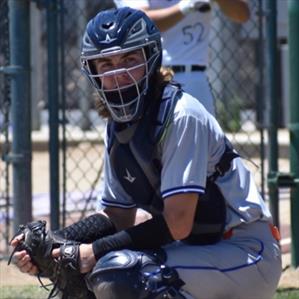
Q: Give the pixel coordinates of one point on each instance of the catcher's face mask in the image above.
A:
(122, 81)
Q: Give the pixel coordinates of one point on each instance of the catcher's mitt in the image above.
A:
(64, 271)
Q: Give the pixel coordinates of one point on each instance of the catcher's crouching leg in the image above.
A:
(130, 274)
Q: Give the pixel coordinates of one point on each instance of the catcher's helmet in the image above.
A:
(116, 32)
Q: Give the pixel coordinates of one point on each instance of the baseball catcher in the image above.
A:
(166, 154)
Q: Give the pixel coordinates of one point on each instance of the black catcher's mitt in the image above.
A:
(64, 271)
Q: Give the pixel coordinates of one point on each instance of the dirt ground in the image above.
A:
(290, 276)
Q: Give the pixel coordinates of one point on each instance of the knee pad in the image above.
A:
(130, 274)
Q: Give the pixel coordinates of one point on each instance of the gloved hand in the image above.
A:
(187, 6)
(63, 271)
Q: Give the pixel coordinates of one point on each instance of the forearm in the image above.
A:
(236, 10)
(88, 229)
(165, 18)
(151, 234)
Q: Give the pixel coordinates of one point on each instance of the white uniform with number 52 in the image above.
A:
(186, 44)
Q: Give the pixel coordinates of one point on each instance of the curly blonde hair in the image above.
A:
(159, 81)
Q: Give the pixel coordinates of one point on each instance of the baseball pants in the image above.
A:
(245, 266)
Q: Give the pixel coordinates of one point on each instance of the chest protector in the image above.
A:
(134, 159)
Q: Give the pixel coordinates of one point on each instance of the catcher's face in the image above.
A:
(122, 81)
(120, 70)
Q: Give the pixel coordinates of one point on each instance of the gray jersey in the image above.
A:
(192, 145)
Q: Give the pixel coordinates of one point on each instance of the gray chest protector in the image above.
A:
(135, 162)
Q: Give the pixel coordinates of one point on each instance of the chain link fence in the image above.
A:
(83, 129)
(236, 74)
(236, 78)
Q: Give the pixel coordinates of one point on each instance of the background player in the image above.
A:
(185, 27)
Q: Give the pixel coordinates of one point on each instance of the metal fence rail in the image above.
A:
(5, 126)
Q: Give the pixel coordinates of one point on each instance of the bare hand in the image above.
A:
(22, 259)
(87, 258)
(187, 6)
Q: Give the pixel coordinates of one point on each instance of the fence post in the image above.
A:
(293, 39)
(53, 99)
(272, 100)
(19, 69)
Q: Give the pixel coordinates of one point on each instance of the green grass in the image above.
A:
(287, 294)
(23, 292)
(34, 292)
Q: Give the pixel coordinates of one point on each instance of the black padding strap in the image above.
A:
(151, 234)
(88, 229)
(69, 257)
(210, 215)
(224, 163)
